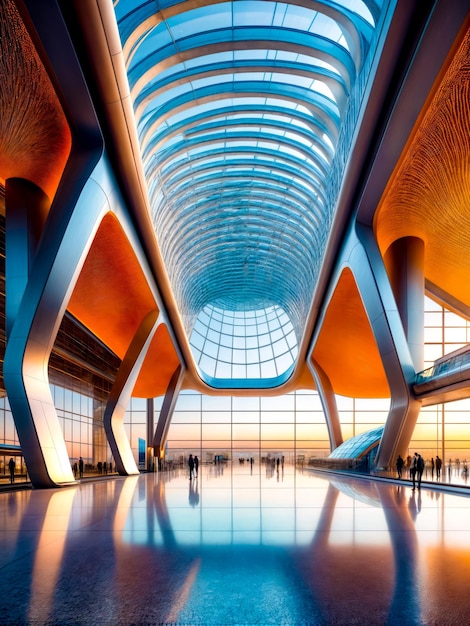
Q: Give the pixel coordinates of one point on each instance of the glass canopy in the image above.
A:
(240, 109)
(358, 446)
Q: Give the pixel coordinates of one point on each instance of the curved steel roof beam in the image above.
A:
(267, 112)
(268, 215)
(281, 40)
(356, 30)
(188, 172)
(330, 79)
(307, 165)
(231, 125)
(288, 213)
(295, 240)
(313, 152)
(235, 180)
(164, 212)
(201, 290)
(189, 146)
(318, 106)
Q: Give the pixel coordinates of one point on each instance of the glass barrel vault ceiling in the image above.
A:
(240, 109)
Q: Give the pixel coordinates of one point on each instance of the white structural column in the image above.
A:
(121, 393)
(365, 261)
(27, 206)
(34, 321)
(164, 419)
(405, 266)
(328, 400)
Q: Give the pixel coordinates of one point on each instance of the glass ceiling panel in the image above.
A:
(239, 108)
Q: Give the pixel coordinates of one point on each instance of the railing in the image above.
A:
(352, 465)
(449, 370)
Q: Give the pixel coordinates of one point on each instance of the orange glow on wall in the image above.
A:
(159, 366)
(35, 139)
(346, 348)
(112, 296)
(428, 197)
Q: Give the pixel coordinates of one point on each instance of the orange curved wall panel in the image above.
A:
(346, 349)
(112, 296)
(429, 195)
(158, 367)
(35, 138)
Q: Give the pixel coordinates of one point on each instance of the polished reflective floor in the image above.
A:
(237, 545)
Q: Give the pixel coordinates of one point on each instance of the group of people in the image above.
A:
(193, 464)
(103, 467)
(415, 465)
(78, 468)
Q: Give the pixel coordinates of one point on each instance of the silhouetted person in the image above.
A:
(400, 464)
(196, 465)
(432, 468)
(191, 466)
(438, 467)
(418, 467)
(11, 468)
(80, 467)
(100, 467)
(75, 469)
(105, 467)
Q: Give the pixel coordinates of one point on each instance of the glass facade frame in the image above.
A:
(239, 109)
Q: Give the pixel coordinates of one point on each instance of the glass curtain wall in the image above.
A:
(443, 429)
(81, 419)
(292, 426)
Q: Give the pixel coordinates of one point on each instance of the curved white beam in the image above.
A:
(121, 393)
(67, 237)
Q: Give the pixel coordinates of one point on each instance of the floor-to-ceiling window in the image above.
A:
(443, 429)
(294, 425)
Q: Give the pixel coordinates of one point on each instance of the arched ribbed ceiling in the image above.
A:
(239, 109)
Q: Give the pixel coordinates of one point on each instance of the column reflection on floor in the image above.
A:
(236, 545)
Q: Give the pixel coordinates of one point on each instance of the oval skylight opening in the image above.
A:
(243, 346)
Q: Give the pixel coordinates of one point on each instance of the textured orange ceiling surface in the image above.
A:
(346, 348)
(159, 366)
(112, 296)
(35, 138)
(429, 195)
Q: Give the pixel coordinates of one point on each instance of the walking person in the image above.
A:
(413, 469)
(196, 466)
(438, 467)
(80, 467)
(432, 468)
(191, 466)
(418, 466)
(400, 464)
(11, 468)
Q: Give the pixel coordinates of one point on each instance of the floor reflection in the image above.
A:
(237, 545)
